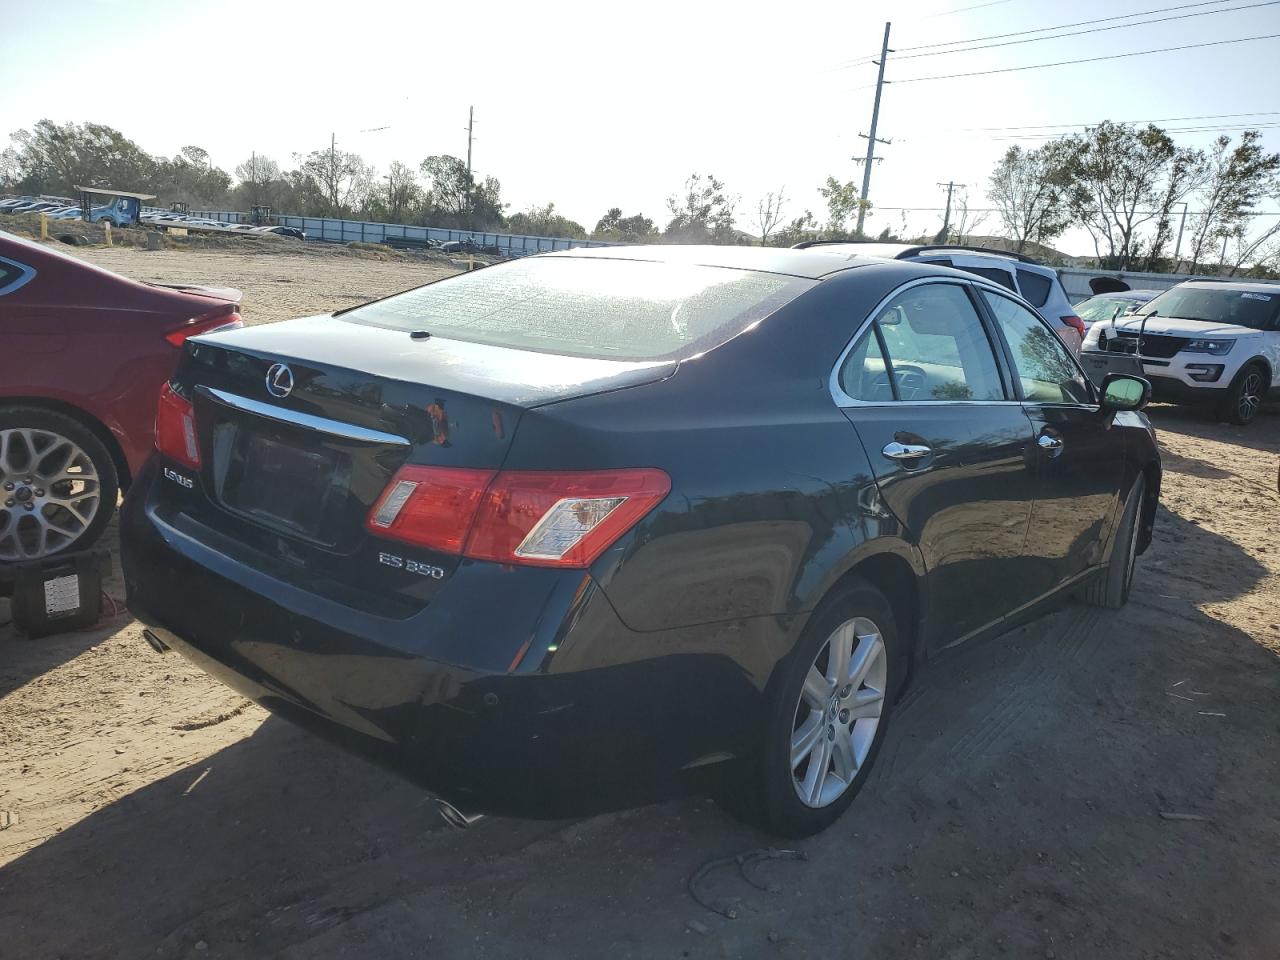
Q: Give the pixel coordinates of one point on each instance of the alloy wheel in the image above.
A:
(49, 493)
(838, 712)
(1250, 397)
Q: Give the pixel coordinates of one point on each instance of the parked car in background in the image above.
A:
(1109, 306)
(1033, 281)
(293, 232)
(83, 353)
(580, 530)
(1204, 341)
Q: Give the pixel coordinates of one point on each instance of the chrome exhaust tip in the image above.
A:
(156, 644)
(455, 817)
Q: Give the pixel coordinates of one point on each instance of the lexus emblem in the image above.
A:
(279, 380)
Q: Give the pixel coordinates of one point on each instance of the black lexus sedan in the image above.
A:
(587, 529)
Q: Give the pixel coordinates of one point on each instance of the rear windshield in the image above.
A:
(1244, 308)
(589, 307)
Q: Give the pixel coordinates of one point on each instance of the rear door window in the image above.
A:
(995, 274)
(1045, 368)
(926, 344)
(1035, 287)
(590, 306)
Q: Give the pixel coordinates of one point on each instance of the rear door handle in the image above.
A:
(905, 451)
(1049, 443)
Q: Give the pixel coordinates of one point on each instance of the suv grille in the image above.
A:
(1153, 344)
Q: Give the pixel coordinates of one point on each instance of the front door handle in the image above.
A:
(1049, 443)
(905, 451)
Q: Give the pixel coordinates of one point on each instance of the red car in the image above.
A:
(83, 355)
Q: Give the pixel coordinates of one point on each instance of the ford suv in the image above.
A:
(1207, 341)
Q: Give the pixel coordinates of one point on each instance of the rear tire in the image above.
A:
(821, 737)
(58, 484)
(1110, 589)
(1245, 395)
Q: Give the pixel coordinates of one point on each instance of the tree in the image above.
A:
(1261, 250)
(545, 222)
(616, 228)
(191, 178)
(1029, 190)
(55, 159)
(801, 228)
(456, 199)
(254, 175)
(404, 194)
(769, 213)
(843, 202)
(704, 214)
(1237, 179)
(965, 222)
(1187, 172)
(342, 178)
(1117, 171)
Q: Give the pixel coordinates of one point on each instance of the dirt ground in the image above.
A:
(1016, 810)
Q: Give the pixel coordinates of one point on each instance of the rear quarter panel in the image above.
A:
(772, 497)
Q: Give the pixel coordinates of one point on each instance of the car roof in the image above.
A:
(1248, 286)
(812, 264)
(910, 251)
(1129, 294)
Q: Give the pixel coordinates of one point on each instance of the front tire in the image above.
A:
(1110, 589)
(1245, 395)
(827, 718)
(58, 484)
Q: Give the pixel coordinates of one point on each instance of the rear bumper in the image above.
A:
(526, 698)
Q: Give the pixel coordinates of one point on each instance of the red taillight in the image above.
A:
(1076, 324)
(220, 319)
(554, 519)
(430, 506)
(176, 428)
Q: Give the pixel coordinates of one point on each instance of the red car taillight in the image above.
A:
(1076, 324)
(538, 518)
(222, 318)
(176, 428)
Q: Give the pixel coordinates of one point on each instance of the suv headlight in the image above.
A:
(1215, 347)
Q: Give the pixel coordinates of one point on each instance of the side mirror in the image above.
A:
(1120, 391)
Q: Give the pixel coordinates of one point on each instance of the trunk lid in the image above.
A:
(302, 424)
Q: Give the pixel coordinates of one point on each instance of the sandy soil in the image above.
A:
(1016, 811)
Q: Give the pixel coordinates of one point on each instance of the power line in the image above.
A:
(1067, 63)
(1022, 33)
(1076, 33)
(976, 6)
(1208, 129)
(1063, 26)
(1050, 126)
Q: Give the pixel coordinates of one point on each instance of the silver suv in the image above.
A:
(1033, 281)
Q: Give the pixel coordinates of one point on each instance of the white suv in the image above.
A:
(1203, 341)
(1033, 281)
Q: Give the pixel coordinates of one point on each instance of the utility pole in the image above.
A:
(1177, 247)
(471, 121)
(871, 137)
(946, 217)
(333, 172)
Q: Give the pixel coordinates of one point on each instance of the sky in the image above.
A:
(596, 105)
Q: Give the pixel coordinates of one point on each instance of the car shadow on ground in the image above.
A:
(1016, 809)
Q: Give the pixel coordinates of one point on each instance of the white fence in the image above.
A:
(1075, 280)
(367, 231)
